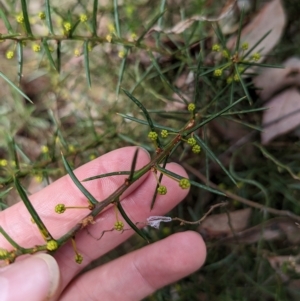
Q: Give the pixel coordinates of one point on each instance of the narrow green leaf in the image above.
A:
(109, 174)
(48, 17)
(10, 240)
(249, 125)
(26, 17)
(58, 55)
(20, 60)
(157, 126)
(73, 28)
(157, 185)
(178, 177)
(130, 223)
(210, 70)
(84, 191)
(44, 231)
(141, 79)
(237, 45)
(149, 25)
(86, 62)
(261, 65)
(137, 143)
(13, 151)
(15, 87)
(48, 54)
(243, 84)
(139, 104)
(214, 116)
(245, 111)
(164, 79)
(6, 22)
(94, 18)
(213, 157)
(121, 73)
(116, 14)
(256, 44)
(5, 192)
(219, 34)
(133, 164)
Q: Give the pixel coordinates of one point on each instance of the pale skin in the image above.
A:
(131, 277)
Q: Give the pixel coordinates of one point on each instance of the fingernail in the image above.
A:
(35, 278)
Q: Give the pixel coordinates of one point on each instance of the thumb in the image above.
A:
(35, 278)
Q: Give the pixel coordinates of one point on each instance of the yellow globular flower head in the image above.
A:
(92, 156)
(236, 78)
(77, 52)
(229, 79)
(196, 149)
(60, 208)
(42, 15)
(216, 47)
(83, 18)
(133, 36)
(3, 253)
(52, 245)
(225, 54)
(108, 38)
(45, 149)
(191, 141)
(36, 47)
(184, 183)
(3, 162)
(67, 26)
(119, 226)
(78, 258)
(218, 72)
(38, 178)
(162, 190)
(9, 54)
(164, 133)
(191, 107)
(71, 148)
(152, 136)
(255, 56)
(111, 28)
(241, 69)
(121, 54)
(20, 18)
(245, 46)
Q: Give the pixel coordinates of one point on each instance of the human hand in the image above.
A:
(131, 277)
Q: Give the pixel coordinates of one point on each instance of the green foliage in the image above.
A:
(68, 69)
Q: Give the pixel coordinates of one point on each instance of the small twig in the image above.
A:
(103, 232)
(182, 222)
(240, 199)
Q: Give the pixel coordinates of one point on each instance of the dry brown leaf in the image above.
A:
(270, 80)
(185, 24)
(282, 116)
(270, 17)
(218, 225)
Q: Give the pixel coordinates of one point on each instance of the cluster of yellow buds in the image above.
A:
(184, 183)
(119, 226)
(162, 190)
(152, 136)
